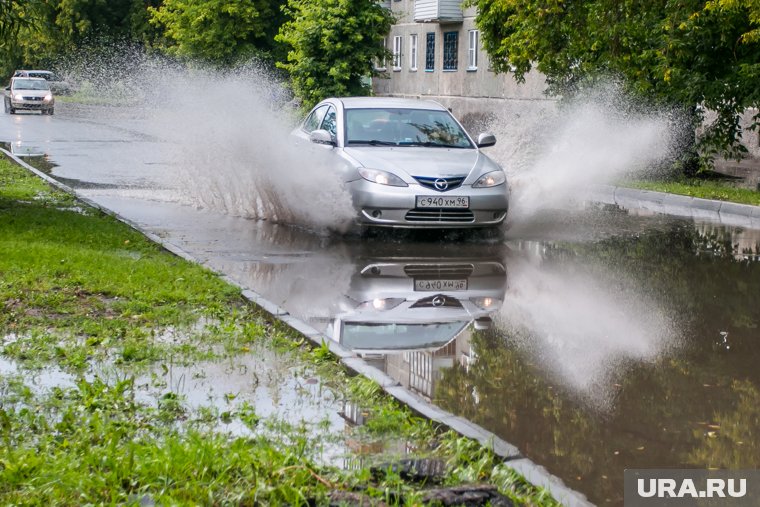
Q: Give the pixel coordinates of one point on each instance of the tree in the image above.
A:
(695, 54)
(218, 31)
(41, 33)
(333, 46)
(15, 15)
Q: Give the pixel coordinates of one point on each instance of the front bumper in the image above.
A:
(387, 206)
(32, 105)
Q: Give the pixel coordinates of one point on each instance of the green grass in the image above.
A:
(705, 189)
(79, 289)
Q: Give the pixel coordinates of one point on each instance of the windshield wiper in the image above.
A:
(373, 142)
(429, 144)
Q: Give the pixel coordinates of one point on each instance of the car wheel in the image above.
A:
(50, 111)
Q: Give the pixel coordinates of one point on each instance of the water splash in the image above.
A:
(585, 328)
(227, 135)
(554, 154)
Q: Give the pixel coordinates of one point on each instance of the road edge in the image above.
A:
(723, 212)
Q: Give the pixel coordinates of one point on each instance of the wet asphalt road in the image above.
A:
(593, 339)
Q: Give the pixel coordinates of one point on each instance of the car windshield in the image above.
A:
(44, 75)
(30, 84)
(404, 127)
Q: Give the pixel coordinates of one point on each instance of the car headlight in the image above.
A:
(382, 177)
(491, 179)
(18, 96)
(486, 303)
(48, 97)
(381, 304)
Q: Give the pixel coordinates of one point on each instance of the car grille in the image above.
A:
(36, 99)
(438, 271)
(442, 215)
(437, 301)
(451, 183)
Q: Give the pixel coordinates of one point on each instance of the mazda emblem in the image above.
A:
(441, 184)
(439, 301)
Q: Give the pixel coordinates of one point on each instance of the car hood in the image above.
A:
(31, 93)
(418, 161)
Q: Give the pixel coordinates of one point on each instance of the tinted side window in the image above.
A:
(330, 122)
(314, 119)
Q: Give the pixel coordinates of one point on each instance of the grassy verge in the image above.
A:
(705, 189)
(82, 294)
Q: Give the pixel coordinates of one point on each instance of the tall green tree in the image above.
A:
(219, 31)
(80, 20)
(695, 54)
(38, 33)
(15, 16)
(333, 44)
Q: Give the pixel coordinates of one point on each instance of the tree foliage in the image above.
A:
(219, 31)
(36, 33)
(15, 16)
(699, 55)
(333, 44)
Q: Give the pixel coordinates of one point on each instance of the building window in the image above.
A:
(450, 48)
(413, 52)
(397, 52)
(472, 49)
(430, 52)
(380, 63)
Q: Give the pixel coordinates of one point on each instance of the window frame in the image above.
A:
(413, 52)
(398, 42)
(450, 54)
(430, 52)
(473, 47)
(380, 65)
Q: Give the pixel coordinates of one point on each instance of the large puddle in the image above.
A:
(634, 345)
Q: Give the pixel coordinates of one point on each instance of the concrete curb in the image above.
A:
(534, 473)
(728, 213)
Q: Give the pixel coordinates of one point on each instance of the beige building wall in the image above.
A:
(468, 90)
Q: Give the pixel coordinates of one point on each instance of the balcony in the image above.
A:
(438, 11)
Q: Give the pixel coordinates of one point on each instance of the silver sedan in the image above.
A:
(409, 163)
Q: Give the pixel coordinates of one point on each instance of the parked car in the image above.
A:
(57, 85)
(31, 93)
(409, 163)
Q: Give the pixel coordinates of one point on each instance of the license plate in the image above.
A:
(440, 285)
(435, 201)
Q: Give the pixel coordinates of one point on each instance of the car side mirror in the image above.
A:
(486, 140)
(321, 136)
(7, 88)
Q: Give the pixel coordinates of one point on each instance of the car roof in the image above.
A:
(389, 102)
(35, 71)
(30, 78)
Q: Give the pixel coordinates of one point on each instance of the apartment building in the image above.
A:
(437, 54)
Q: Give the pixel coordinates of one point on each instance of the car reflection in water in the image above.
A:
(404, 317)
